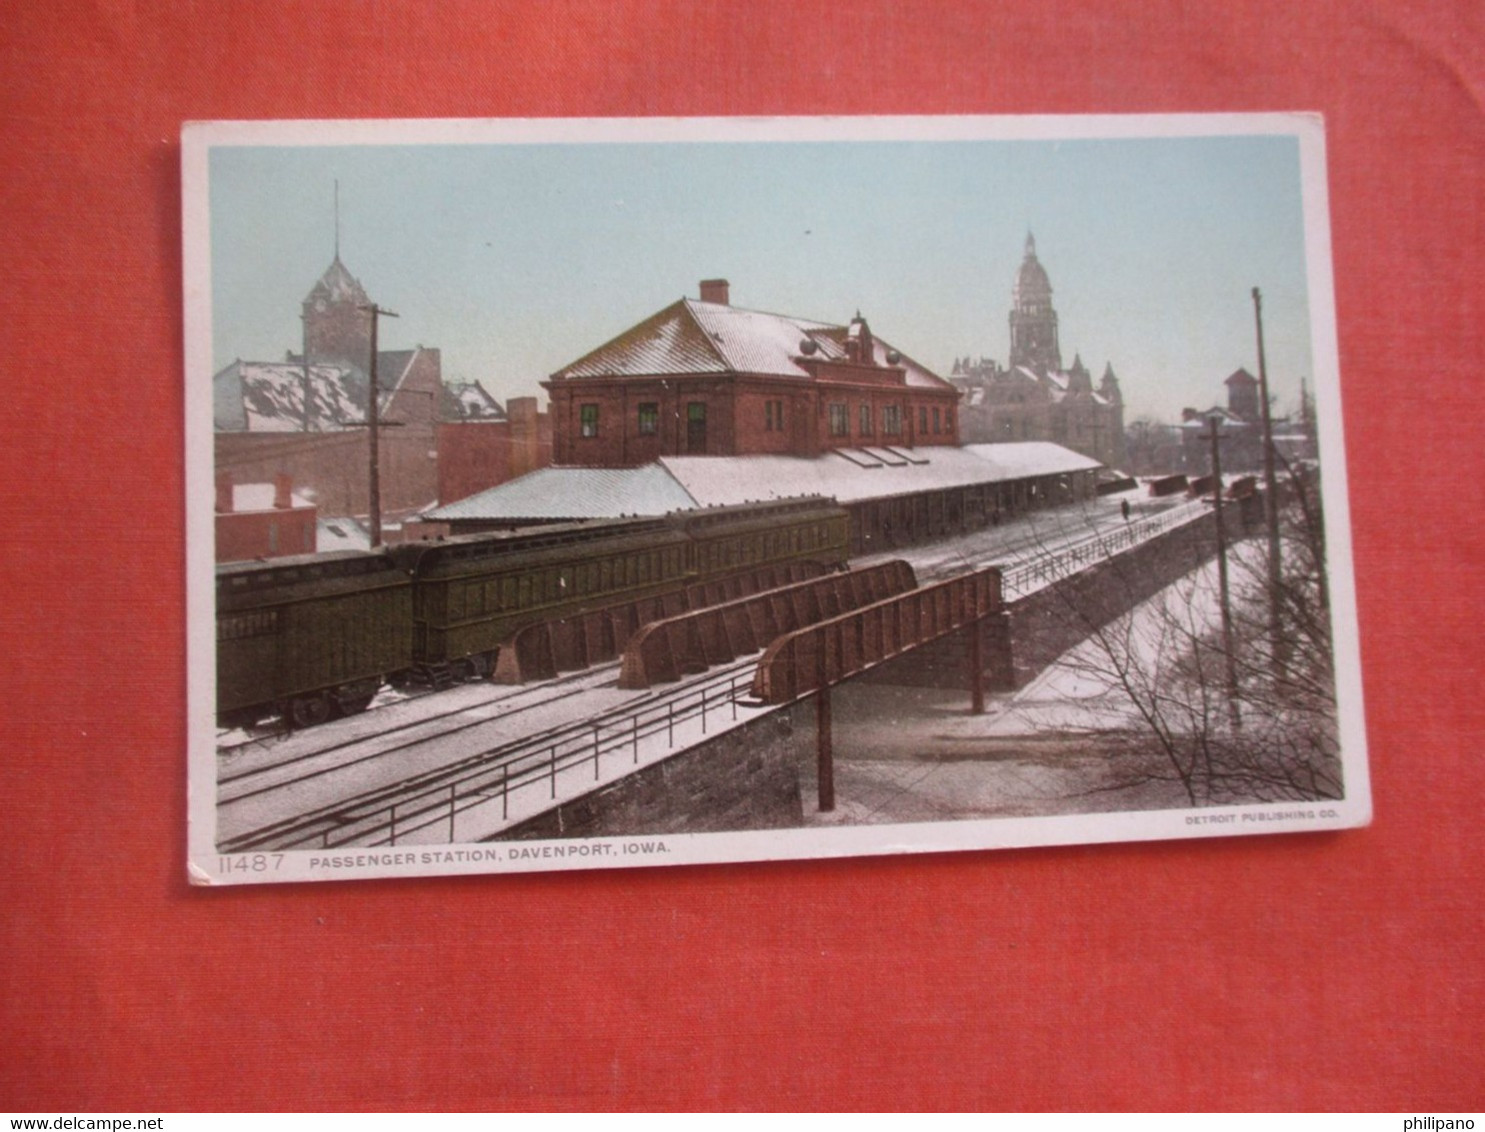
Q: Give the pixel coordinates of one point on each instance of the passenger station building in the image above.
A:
(705, 378)
(705, 404)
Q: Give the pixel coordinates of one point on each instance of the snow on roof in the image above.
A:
(574, 493)
(1031, 458)
(858, 475)
(269, 396)
(470, 401)
(259, 497)
(693, 337)
(339, 285)
(341, 534)
(678, 483)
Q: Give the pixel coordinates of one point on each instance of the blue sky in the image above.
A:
(515, 259)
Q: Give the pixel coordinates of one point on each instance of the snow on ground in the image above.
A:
(918, 754)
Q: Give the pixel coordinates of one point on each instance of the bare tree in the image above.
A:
(1170, 716)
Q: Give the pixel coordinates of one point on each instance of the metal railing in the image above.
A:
(1029, 574)
(432, 803)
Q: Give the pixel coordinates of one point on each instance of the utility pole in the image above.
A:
(1271, 490)
(1232, 685)
(304, 346)
(373, 412)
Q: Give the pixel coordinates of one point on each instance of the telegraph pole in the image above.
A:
(1271, 490)
(373, 412)
(304, 345)
(1232, 685)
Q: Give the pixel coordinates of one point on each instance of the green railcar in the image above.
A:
(309, 636)
(316, 635)
(473, 593)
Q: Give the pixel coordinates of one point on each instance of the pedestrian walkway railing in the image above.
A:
(1028, 575)
(438, 807)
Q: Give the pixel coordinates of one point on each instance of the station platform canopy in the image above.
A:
(678, 483)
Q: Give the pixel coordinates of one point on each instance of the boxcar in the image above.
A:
(309, 636)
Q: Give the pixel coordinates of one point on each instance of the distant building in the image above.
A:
(306, 416)
(1240, 430)
(1033, 397)
(705, 378)
(263, 520)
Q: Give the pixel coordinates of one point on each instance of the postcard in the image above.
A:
(605, 493)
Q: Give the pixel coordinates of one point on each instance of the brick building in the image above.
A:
(305, 417)
(1033, 397)
(705, 378)
(262, 520)
(482, 444)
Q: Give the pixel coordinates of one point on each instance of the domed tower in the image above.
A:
(336, 327)
(1033, 321)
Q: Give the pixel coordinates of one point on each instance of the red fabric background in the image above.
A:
(1324, 971)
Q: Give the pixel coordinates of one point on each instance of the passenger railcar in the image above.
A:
(317, 635)
(729, 540)
(474, 592)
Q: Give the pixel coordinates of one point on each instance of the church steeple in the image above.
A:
(1033, 320)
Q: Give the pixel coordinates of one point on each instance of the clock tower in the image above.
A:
(1033, 321)
(336, 328)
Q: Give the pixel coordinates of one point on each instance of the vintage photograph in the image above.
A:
(599, 493)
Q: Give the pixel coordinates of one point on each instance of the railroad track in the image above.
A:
(572, 683)
(409, 806)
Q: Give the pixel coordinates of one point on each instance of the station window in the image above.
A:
(649, 418)
(936, 428)
(588, 420)
(840, 422)
(892, 420)
(865, 418)
(773, 416)
(922, 421)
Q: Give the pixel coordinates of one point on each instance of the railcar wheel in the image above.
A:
(308, 711)
(470, 668)
(355, 705)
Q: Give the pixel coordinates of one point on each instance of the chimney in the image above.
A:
(714, 291)
(283, 496)
(224, 494)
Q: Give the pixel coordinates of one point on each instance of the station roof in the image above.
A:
(693, 337)
(677, 483)
(855, 474)
(574, 493)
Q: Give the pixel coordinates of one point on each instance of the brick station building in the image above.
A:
(705, 404)
(705, 378)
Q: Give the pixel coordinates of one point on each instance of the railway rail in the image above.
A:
(427, 807)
